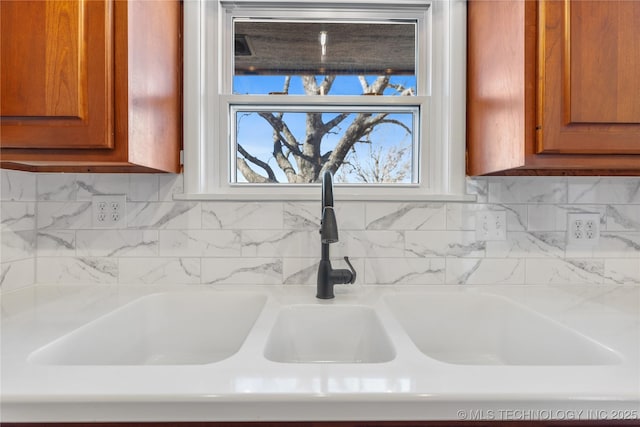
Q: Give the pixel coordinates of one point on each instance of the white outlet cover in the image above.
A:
(108, 211)
(583, 229)
(491, 225)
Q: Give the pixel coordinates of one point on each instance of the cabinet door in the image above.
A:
(589, 84)
(57, 80)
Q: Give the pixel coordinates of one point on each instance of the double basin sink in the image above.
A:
(197, 328)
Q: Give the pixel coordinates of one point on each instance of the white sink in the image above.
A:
(181, 328)
(475, 329)
(328, 334)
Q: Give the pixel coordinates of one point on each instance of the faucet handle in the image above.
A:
(353, 270)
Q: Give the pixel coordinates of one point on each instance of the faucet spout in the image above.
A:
(327, 275)
(328, 224)
(327, 189)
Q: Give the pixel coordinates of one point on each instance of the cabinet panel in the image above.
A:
(56, 79)
(604, 47)
(553, 87)
(589, 90)
(120, 112)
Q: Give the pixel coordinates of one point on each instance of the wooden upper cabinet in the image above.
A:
(91, 85)
(590, 85)
(553, 87)
(56, 79)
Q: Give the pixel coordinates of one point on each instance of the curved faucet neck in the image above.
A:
(327, 189)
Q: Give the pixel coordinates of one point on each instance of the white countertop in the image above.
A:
(247, 386)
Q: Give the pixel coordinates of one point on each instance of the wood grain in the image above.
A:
(501, 82)
(133, 92)
(589, 93)
(552, 140)
(56, 79)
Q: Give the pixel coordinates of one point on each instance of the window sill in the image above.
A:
(255, 196)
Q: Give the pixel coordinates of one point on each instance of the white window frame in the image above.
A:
(207, 75)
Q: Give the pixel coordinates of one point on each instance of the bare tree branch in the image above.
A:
(280, 126)
(309, 161)
(404, 91)
(381, 165)
(363, 84)
(379, 85)
(258, 162)
(396, 122)
(282, 160)
(376, 88)
(334, 122)
(287, 82)
(249, 174)
(326, 84)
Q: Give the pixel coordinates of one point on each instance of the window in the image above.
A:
(276, 92)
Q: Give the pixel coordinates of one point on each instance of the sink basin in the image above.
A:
(328, 334)
(181, 328)
(473, 329)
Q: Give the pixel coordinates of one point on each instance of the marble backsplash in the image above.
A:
(48, 236)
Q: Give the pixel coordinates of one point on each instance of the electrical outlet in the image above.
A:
(109, 211)
(491, 225)
(583, 229)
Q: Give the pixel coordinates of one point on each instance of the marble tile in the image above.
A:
(479, 187)
(64, 216)
(481, 271)
(350, 215)
(168, 185)
(143, 188)
(554, 217)
(200, 243)
(18, 216)
(528, 245)
(101, 184)
(462, 216)
(528, 190)
(405, 271)
(17, 274)
(405, 216)
(361, 244)
(57, 187)
(304, 271)
(623, 218)
(81, 187)
(56, 243)
(285, 243)
(611, 190)
(252, 271)
(433, 244)
(564, 271)
(167, 241)
(117, 243)
(622, 271)
(164, 215)
(159, 271)
(242, 216)
(301, 271)
(77, 270)
(610, 245)
(517, 217)
(302, 215)
(17, 245)
(306, 215)
(17, 186)
(619, 245)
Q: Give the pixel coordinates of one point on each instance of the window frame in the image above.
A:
(208, 100)
(323, 106)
